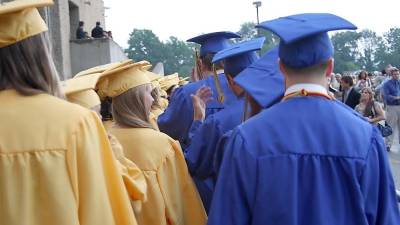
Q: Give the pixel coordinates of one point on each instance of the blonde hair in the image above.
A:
(129, 108)
(370, 92)
(27, 66)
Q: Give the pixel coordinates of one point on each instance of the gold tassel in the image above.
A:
(198, 73)
(221, 97)
(246, 108)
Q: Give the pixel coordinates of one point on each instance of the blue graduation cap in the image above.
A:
(304, 39)
(263, 80)
(213, 42)
(239, 56)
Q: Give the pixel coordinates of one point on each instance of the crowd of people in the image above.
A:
(371, 95)
(249, 143)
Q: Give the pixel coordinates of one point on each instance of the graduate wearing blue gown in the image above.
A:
(205, 135)
(284, 167)
(178, 117)
(267, 88)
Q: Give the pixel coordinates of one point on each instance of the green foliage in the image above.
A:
(145, 45)
(248, 31)
(176, 55)
(366, 50)
(393, 46)
(346, 50)
(353, 50)
(179, 57)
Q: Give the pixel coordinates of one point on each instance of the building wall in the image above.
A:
(62, 19)
(93, 52)
(90, 11)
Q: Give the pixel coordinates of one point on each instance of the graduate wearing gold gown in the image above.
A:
(56, 164)
(171, 195)
(80, 90)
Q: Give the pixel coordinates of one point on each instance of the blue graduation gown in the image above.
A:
(200, 152)
(178, 117)
(284, 167)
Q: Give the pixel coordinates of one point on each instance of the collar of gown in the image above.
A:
(315, 88)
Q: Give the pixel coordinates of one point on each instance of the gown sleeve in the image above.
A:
(377, 185)
(235, 190)
(178, 117)
(100, 191)
(200, 152)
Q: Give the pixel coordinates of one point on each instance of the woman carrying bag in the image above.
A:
(373, 111)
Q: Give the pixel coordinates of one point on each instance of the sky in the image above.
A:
(188, 18)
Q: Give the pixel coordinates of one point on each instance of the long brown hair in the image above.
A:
(155, 93)
(129, 109)
(27, 66)
(370, 104)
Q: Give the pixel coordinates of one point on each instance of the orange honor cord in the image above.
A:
(304, 93)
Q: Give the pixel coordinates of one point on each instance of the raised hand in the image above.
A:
(199, 101)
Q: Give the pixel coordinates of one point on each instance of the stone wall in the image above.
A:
(93, 52)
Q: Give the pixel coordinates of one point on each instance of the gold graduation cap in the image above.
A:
(102, 68)
(154, 78)
(168, 81)
(20, 19)
(183, 80)
(80, 90)
(118, 80)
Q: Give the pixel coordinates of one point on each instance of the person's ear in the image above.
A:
(329, 67)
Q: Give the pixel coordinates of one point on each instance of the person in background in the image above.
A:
(80, 33)
(172, 197)
(284, 167)
(386, 76)
(369, 108)
(98, 32)
(362, 80)
(109, 34)
(391, 94)
(350, 96)
(56, 164)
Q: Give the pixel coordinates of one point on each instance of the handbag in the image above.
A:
(385, 130)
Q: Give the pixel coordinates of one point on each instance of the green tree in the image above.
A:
(145, 45)
(179, 57)
(368, 45)
(249, 31)
(176, 55)
(393, 46)
(346, 51)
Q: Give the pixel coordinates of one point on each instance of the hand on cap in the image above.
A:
(199, 100)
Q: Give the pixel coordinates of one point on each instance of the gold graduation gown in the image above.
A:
(163, 103)
(56, 165)
(153, 121)
(131, 174)
(154, 116)
(108, 124)
(171, 195)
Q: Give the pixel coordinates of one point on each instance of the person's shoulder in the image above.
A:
(63, 107)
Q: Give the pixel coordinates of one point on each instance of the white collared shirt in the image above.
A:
(308, 87)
